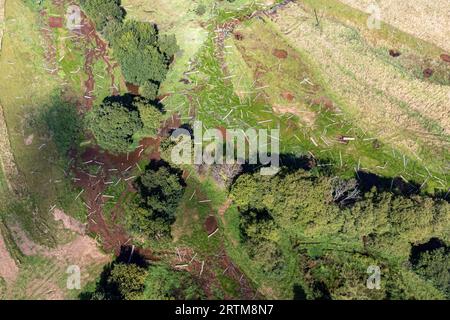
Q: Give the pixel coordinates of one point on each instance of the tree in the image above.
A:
(434, 265)
(103, 11)
(161, 189)
(114, 125)
(118, 281)
(163, 283)
(150, 115)
(143, 54)
(129, 279)
(149, 90)
(141, 221)
(118, 121)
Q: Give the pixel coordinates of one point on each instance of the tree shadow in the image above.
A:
(299, 293)
(368, 180)
(430, 245)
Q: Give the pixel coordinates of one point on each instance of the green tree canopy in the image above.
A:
(434, 265)
(114, 125)
(163, 283)
(118, 122)
(103, 11)
(143, 54)
(161, 189)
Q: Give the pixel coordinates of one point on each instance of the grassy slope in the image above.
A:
(26, 87)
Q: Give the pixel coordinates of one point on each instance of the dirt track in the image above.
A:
(8, 267)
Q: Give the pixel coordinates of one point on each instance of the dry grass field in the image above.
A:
(407, 112)
(427, 20)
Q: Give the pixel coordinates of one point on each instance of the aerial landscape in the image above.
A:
(224, 150)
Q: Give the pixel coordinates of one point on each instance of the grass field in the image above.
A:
(394, 105)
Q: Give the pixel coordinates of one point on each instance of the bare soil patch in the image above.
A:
(8, 267)
(69, 223)
(132, 88)
(394, 53)
(238, 36)
(445, 57)
(280, 54)
(211, 224)
(55, 22)
(289, 96)
(428, 72)
(323, 101)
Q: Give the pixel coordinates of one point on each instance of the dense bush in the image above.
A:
(150, 115)
(103, 11)
(434, 265)
(128, 281)
(116, 123)
(118, 281)
(163, 283)
(277, 211)
(304, 205)
(149, 90)
(144, 54)
(152, 214)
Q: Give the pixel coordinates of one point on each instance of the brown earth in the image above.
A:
(55, 22)
(323, 101)
(280, 54)
(132, 88)
(113, 168)
(8, 267)
(445, 57)
(96, 49)
(288, 96)
(394, 53)
(428, 72)
(210, 224)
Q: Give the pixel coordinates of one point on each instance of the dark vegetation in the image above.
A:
(64, 124)
(298, 207)
(103, 12)
(153, 211)
(127, 279)
(119, 122)
(143, 53)
(431, 260)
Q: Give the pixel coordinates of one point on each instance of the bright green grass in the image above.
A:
(217, 105)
